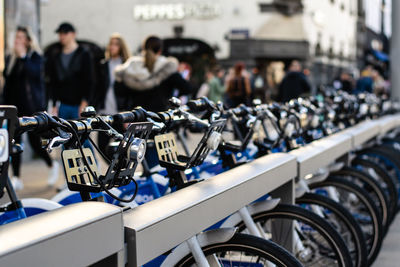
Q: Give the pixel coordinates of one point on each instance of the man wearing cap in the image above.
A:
(69, 75)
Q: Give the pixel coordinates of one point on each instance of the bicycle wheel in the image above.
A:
(244, 250)
(342, 220)
(385, 157)
(357, 201)
(30, 207)
(375, 191)
(317, 243)
(389, 185)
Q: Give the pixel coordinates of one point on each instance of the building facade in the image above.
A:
(374, 30)
(320, 33)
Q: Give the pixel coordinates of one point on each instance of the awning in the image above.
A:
(279, 27)
(381, 56)
(272, 49)
(182, 48)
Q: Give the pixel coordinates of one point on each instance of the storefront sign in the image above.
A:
(176, 11)
(183, 49)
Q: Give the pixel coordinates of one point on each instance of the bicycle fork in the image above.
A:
(198, 254)
(252, 227)
(256, 230)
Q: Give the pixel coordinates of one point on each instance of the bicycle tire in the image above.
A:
(377, 235)
(373, 188)
(291, 212)
(389, 184)
(250, 245)
(388, 156)
(360, 253)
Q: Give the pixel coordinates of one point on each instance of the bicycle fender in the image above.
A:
(253, 208)
(207, 238)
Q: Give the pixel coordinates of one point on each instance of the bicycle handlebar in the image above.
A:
(44, 121)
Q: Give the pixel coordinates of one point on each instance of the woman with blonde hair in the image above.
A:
(24, 88)
(106, 99)
(110, 96)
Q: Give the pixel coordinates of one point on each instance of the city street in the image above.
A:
(34, 175)
(223, 133)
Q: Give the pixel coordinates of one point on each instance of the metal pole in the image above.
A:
(383, 7)
(39, 26)
(395, 50)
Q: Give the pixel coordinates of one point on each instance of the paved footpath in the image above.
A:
(390, 252)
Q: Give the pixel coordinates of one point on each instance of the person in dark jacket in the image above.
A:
(152, 78)
(238, 86)
(70, 75)
(294, 84)
(345, 82)
(24, 88)
(109, 96)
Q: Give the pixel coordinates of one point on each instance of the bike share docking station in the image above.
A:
(158, 226)
(76, 235)
(87, 233)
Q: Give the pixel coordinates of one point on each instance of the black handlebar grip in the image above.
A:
(123, 117)
(136, 115)
(37, 121)
(240, 111)
(166, 116)
(198, 105)
(42, 119)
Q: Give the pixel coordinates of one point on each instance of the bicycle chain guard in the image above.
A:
(128, 155)
(168, 151)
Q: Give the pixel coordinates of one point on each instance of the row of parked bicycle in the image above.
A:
(341, 213)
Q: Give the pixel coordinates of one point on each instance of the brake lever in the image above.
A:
(193, 118)
(57, 142)
(111, 131)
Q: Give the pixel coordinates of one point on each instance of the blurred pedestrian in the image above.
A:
(294, 84)
(111, 97)
(238, 86)
(344, 82)
(108, 98)
(24, 88)
(379, 86)
(221, 75)
(258, 85)
(152, 80)
(152, 77)
(365, 82)
(216, 88)
(70, 75)
(186, 71)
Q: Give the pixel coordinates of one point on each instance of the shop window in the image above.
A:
(330, 53)
(178, 31)
(318, 50)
